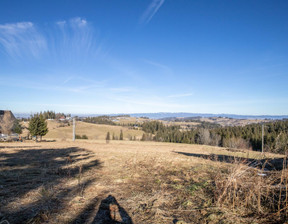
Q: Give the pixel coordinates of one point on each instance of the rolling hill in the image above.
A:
(92, 131)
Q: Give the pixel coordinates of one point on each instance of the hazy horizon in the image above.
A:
(105, 57)
(159, 115)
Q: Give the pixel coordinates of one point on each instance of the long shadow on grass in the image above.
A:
(109, 212)
(41, 170)
(268, 164)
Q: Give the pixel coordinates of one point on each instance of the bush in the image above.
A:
(238, 143)
(81, 137)
(78, 137)
(84, 137)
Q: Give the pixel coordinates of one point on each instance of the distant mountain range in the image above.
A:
(235, 116)
(176, 115)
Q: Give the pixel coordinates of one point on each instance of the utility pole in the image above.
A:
(262, 137)
(74, 125)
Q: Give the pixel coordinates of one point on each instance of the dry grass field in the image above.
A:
(92, 131)
(90, 181)
(130, 120)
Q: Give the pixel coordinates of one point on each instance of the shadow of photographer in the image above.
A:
(110, 212)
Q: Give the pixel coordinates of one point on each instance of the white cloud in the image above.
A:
(76, 40)
(151, 11)
(73, 84)
(78, 22)
(15, 28)
(72, 42)
(21, 40)
(61, 23)
(74, 22)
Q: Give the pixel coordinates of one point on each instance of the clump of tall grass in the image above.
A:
(254, 190)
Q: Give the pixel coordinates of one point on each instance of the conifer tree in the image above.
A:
(143, 137)
(108, 137)
(17, 128)
(38, 126)
(121, 135)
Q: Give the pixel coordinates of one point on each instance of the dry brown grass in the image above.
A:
(148, 182)
(93, 131)
(130, 120)
(253, 192)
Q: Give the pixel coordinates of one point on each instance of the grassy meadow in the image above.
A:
(91, 181)
(92, 131)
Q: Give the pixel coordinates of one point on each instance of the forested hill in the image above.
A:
(235, 116)
(249, 136)
(175, 115)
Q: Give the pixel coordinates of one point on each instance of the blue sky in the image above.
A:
(129, 56)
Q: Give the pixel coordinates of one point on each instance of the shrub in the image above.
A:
(84, 137)
(78, 137)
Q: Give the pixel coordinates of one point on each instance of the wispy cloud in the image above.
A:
(22, 40)
(77, 38)
(163, 67)
(76, 79)
(180, 95)
(73, 84)
(151, 11)
(73, 40)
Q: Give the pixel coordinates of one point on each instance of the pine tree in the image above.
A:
(121, 135)
(108, 137)
(17, 128)
(143, 137)
(38, 126)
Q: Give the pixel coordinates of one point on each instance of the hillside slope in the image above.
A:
(92, 131)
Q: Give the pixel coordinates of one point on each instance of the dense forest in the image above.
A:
(249, 136)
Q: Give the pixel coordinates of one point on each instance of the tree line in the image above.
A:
(249, 136)
(114, 137)
(99, 120)
(49, 114)
(52, 115)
